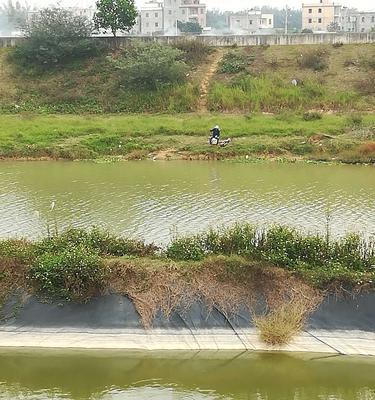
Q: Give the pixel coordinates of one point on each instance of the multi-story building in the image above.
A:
(251, 21)
(151, 18)
(327, 15)
(318, 16)
(169, 12)
(358, 21)
(193, 11)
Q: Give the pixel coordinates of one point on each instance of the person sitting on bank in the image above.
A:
(215, 135)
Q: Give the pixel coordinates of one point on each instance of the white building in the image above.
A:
(250, 22)
(162, 16)
(151, 18)
(325, 14)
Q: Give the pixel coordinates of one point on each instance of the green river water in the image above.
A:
(155, 200)
(198, 376)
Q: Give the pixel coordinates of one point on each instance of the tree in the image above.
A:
(116, 15)
(13, 15)
(189, 27)
(333, 27)
(55, 36)
(217, 19)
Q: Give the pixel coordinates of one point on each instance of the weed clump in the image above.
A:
(233, 63)
(314, 59)
(96, 239)
(337, 45)
(355, 120)
(194, 51)
(312, 116)
(281, 325)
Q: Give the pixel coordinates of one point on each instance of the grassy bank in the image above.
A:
(328, 78)
(229, 269)
(348, 138)
(250, 79)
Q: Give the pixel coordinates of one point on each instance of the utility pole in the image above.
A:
(286, 19)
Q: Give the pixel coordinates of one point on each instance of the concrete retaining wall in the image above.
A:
(242, 40)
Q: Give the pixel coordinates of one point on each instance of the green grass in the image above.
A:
(77, 264)
(271, 93)
(184, 135)
(335, 80)
(254, 79)
(321, 261)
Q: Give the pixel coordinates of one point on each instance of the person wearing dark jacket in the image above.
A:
(215, 135)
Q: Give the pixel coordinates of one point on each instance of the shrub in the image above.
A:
(337, 45)
(75, 274)
(232, 63)
(96, 239)
(189, 27)
(314, 59)
(193, 51)
(366, 84)
(55, 37)
(312, 116)
(307, 31)
(150, 66)
(188, 248)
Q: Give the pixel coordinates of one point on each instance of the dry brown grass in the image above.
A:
(367, 149)
(227, 284)
(13, 271)
(282, 323)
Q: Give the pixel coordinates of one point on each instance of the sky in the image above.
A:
(223, 5)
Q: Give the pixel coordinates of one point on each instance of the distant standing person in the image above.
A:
(215, 135)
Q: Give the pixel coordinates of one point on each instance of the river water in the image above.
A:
(155, 200)
(182, 376)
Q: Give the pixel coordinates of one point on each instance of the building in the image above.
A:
(193, 11)
(357, 21)
(162, 16)
(326, 15)
(250, 22)
(319, 16)
(151, 18)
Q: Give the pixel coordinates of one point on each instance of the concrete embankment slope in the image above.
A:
(340, 325)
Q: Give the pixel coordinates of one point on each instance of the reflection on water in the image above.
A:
(182, 376)
(153, 199)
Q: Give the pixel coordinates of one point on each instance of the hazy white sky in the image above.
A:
(224, 4)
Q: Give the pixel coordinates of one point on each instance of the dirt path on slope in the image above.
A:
(210, 70)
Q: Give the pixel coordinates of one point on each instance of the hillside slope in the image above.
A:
(263, 83)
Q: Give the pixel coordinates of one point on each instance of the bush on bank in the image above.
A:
(101, 241)
(74, 265)
(75, 273)
(54, 37)
(67, 265)
(319, 259)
